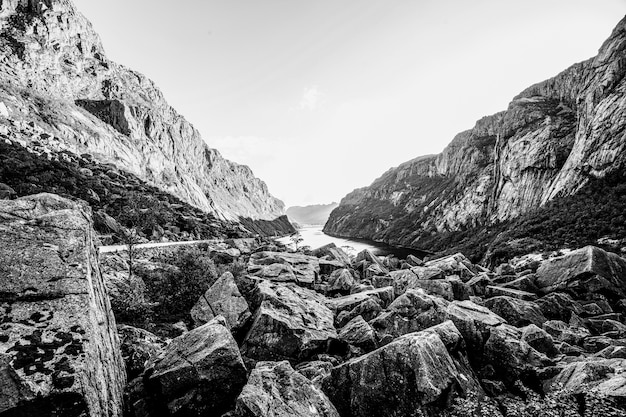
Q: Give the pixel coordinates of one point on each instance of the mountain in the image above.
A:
(316, 214)
(56, 79)
(553, 141)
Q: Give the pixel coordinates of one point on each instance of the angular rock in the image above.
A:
(276, 390)
(306, 269)
(425, 272)
(59, 348)
(437, 287)
(603, 376)
(511, 356)
(456, 264)
(495, 291)
(367, 256)
(402, 280)
(412, 374)
(291, 323)
(517, 312)
(589, 269)
(559, 306)
(341, 281)
(574, 335)
(539, 340)
(358, 333)
(348, 302)
(200, 372)
(368, 309)
(222, 299)
(475, 323)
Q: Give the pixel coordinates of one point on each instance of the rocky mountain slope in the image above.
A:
(55, 76)
(311, 215)
(554, 138)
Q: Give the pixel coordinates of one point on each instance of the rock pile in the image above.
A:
(382, 337)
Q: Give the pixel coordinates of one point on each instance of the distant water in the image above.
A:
(314, 237)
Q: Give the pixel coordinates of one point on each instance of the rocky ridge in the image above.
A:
(54, 74)
(554, 138)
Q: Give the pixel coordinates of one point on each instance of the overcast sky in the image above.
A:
(319, 97)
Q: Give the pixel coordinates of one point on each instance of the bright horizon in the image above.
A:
(321, 97)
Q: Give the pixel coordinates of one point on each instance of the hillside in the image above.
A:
(55, 77)
(316, 214)
(555, 137)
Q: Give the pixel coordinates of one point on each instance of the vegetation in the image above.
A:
(597, 210)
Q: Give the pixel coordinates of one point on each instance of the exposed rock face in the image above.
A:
(276, 390)
(56, 75)
(553, 137)
(59, 349)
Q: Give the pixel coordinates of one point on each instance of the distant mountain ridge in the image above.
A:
(54, 74)
(554, 138)
(314, 215)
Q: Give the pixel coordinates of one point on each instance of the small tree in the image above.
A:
(296, 238)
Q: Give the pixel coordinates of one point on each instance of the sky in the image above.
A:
(320, 97)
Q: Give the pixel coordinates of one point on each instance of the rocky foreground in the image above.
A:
(316, 334)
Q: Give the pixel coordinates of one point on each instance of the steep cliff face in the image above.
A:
(554, 137)
(54, 74)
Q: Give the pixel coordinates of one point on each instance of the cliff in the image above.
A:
(553, 139)
(59, 348)
(55, 76)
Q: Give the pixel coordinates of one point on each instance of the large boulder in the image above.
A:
(456, 264)
(589, 269)
(606, 377)
(291, 323)
(222, 299)
(474, 322)
(200, 372)
(357, 332)
(275, 389)
(305, 268)
(348, 302)
(59, 348)
(413, 374)
(517, 312)
(341, 281)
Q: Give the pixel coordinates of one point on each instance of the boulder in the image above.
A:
(137, 347)
(495, 291)
(348, 302)
(559, 306)
(368, 309)
(306, 269)
(222, 299)
(367, 256)
(474, 323)
(315, 371)
(414, 260)
(517, 312)
(200, 372)
(59, 348)
(456, 264)
(332, 252)
(274, 272)
(573, 335)
(291, 323)
(606, 377)
(511, 357)
(413, 375)
(437, 287)
(424, 272)
(243, 245)
(525, 283)
(358, 333)
(341, 281)
(401, 280)
(539, 340)
(275, 389)
(589, 269)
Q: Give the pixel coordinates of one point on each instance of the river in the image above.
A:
(314, 237)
